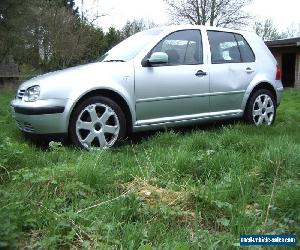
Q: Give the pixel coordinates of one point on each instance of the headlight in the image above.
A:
(31, 94)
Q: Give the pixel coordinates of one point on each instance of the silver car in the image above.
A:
(157, 78)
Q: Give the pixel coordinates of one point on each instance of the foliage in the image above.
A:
(293, 31)
(27, 72)
(228, 13)
(113, 37)
(49, 35)
(8, 11)
(267, 31)
(135, 26)
(185, 189)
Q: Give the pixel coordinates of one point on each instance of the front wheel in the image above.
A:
(97, 122)
(261, 108)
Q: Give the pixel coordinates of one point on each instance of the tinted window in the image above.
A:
(182, 47)
(246, 51)
(223, 47)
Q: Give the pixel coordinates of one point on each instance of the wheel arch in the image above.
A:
(262, 85)
(113, 95)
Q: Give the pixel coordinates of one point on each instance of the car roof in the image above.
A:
(202, 27)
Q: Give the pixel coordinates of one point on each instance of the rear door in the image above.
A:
(232, 69)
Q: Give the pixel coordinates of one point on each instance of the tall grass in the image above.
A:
(186, 188)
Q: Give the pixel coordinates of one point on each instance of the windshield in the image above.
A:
(130, 47)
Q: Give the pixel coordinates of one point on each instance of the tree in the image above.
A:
(47, 34)
(292, 31)
(135, 26)
(50, 34)
(112, 37)
(9, 10)
(267, 31)
(223, 13)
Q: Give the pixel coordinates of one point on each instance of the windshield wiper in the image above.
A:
(114, 61)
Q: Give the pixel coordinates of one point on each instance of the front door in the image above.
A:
(175, 90)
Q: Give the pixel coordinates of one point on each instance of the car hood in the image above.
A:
(59, 84)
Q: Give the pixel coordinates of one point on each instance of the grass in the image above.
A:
(183, 189)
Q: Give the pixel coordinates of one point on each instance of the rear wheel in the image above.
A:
(261, 108)
(97, 122)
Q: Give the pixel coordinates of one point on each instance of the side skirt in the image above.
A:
(153, 124)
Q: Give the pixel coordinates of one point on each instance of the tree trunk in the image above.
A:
(212, 12)
(203, 11)
(198, 13)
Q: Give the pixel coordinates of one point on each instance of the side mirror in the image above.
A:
(158, 58)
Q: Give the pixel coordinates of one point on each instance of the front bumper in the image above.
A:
(42, 116)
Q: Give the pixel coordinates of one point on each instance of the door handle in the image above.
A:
(201, 73)
(249, 70)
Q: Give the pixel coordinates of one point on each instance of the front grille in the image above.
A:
(20, 94)
(24, 126)
(19, 125)
(28, 128)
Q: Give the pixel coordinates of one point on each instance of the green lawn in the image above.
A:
(188, 189)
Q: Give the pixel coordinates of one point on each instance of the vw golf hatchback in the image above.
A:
(157, 78)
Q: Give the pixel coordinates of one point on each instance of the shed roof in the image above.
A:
(284, 42)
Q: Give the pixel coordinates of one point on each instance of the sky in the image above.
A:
(284, 13)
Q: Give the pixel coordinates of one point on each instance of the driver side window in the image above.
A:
(182, 48)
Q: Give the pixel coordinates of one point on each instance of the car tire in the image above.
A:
(97, 122)
(261, 108)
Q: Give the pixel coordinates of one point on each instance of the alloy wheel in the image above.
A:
(97, 126)
(263, 110)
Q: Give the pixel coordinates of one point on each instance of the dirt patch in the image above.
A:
(153, 195)
(30, 240)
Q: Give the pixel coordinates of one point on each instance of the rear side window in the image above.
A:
(245, 50)
(224, 47)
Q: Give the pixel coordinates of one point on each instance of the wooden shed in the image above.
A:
(9, 72)
(287, 54)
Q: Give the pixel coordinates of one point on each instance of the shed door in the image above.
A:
(288, 69)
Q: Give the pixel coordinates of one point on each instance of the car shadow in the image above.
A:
(138, 137)
(42, 141)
